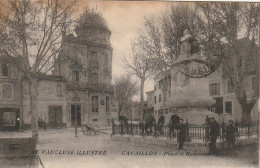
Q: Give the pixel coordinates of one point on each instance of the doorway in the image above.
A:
(55, 116)
(75, 114)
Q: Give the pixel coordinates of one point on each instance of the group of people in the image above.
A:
(176, 124)
(213, 131)
(178, 128)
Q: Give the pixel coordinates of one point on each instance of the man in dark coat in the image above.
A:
(182, 134)
(160, 124)
(174, 122)
(213, 133)
(231, 134)
(149, 124)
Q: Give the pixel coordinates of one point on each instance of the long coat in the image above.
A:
(161, 120)
(182, 132)
(214, 129)
(230, 133)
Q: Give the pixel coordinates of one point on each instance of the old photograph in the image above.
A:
(129, 84)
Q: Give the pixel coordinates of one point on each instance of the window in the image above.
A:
(76, 76)
(107, 104)
(155, 112)
(95, 120)
(5, 70)
(94, 100)
(7, 91)
(165, 97)
(106, 61)
(59, 89)
(166, 111)
(160, 84)
(160, 98)
(9, 118)
(253, 83)
(104, 36)
(228, 107)
(214, 89)
(93, 78)
(154, 99)
(94, 59)
(230, 86)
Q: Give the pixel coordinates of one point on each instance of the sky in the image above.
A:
(124, 19)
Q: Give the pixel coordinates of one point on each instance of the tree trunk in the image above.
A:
(142, 98)
(33, 84)
(119, 111)
(246, 112)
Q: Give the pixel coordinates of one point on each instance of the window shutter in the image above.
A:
(218, 88)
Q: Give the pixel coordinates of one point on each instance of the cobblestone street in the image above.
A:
(99, 151)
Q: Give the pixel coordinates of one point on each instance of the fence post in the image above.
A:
(113, 128)
(248, 129)
(131, 127)
(223, 131)
(187, 131)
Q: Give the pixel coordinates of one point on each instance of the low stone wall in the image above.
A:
(194, 146)
(18, 152)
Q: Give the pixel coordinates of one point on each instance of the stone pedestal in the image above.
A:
(191, 98)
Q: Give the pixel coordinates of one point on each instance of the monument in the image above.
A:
(190, 93)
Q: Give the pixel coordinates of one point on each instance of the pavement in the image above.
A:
(61, 149)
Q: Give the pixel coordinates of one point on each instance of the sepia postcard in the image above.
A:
(129, 84)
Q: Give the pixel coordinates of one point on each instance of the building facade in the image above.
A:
(10, 98)
(86, 65)
(79, 89)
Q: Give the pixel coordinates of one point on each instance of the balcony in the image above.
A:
(90, 86)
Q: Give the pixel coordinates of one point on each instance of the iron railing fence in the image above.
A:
(200, 132)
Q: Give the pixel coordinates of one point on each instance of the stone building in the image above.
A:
(79, 89)
(222, 89)
(51, 102)
(86, 65)
(10, 98)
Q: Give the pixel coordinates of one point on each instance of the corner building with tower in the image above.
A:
(79, 89)
(85, 63)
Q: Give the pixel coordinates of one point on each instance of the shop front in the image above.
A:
(9, 116)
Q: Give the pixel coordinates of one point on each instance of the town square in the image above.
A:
(129, 84)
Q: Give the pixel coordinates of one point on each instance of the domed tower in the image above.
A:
(86, 64)
(93, 31)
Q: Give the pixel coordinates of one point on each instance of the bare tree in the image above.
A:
(161, 35)
(124, 90)
(139, 64)
(31, 40)
(235, 33)
(217, 27)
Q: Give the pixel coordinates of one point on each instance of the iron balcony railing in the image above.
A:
(86, 85)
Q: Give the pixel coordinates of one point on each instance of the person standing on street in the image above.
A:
(173, 124)
(160, 124)
(230, 134)
(213, 133)
(182, 134)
